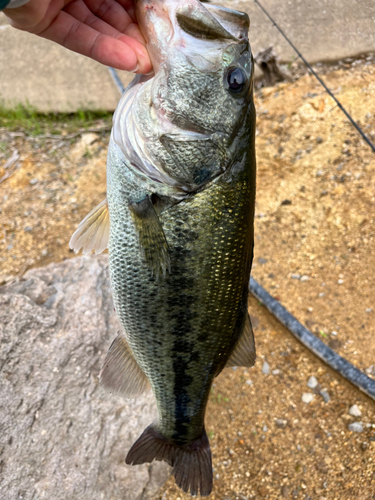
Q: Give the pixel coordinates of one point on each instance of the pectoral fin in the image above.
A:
(153, 244)
(244, 352)
(93, 232)
(121, 372)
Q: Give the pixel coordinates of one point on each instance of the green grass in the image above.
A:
(27, 119)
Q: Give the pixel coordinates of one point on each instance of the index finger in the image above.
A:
(77, 36)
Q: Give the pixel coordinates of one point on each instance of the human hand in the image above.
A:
(105, 30)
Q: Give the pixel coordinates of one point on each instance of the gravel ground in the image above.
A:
(273, 435)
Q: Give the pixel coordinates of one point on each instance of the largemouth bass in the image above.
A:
(178, 224)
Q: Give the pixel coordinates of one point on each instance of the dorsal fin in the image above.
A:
(93, 231)
(244, 352)
(120, 371)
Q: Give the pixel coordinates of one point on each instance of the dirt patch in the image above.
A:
(314, 251)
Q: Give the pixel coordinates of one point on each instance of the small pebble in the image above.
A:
(44, 252)
(319, 140)
(325, 395)
(319, 173)
(249, 382)
(304, 278)
(295, 276)
(307, 397)
(370, 370)
(265, 428)
(262, 261)
(355, 427)
(340, 282)
(369, 310)
(28, 229)
(280, 423)
(265, 368)
(312, 382)
(34, 181)
(334, 333)
(354, 411)
(276, 372)
(285, 491)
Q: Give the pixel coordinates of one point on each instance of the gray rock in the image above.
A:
(356, 427)
(62, 435)
(312, 382)
(354, 411)
(325, 395)
(265, 368)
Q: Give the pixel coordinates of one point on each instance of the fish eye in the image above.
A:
(236, 79)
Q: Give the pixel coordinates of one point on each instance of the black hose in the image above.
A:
(315, 345)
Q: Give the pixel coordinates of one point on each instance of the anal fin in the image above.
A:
(121, 372)
(93, 231)
(152, 241)
(244, 352)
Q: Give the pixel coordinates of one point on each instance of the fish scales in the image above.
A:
(184, 324)
(178, 223)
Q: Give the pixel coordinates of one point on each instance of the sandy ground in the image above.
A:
(314, 251)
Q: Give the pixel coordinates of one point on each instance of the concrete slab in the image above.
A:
(54, 79)
(323, 30)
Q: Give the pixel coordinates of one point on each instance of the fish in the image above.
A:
(178, 225)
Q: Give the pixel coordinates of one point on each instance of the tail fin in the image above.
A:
(192, 465)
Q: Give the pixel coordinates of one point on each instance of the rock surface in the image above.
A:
(62, 435)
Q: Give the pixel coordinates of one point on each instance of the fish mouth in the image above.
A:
(166, 22)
